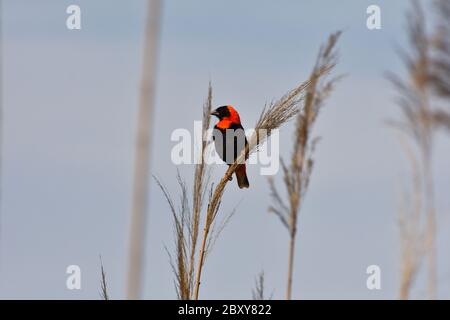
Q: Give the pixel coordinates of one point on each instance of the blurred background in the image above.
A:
(70, 103)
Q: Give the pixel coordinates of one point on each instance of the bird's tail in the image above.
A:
(241, 177)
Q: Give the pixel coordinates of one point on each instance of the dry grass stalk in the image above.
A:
(180, 217)
(201, 182)
(272, 117)
(258, 293)
(412, 233)
(298, 172)
(103, 284)
(428, 67)
(142, 153)
(187, 221)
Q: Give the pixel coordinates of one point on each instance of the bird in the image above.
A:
(229, 140)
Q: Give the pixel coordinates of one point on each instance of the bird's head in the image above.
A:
(227, 113)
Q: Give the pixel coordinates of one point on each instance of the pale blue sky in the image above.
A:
(70, 100)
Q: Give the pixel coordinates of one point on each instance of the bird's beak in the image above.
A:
(215, 113)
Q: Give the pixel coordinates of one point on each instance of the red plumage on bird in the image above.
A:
(229, 140)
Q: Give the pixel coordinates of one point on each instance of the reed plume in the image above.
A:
(187, 219)
(297, 174)
(421, 94)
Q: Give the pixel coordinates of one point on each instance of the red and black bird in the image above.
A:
(229, 140)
